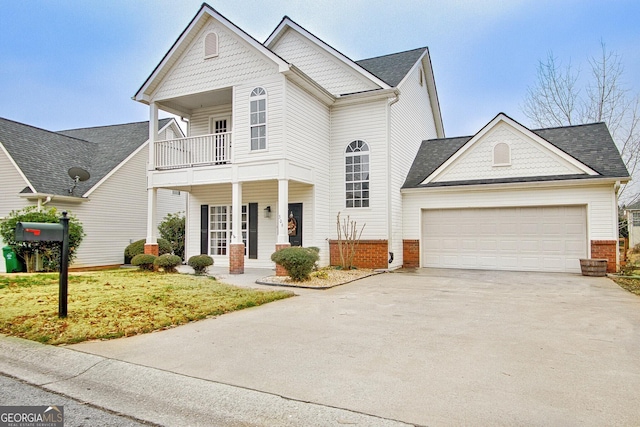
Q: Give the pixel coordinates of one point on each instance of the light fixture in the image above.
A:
(267, 212)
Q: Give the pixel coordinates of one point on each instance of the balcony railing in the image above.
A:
(195, 150)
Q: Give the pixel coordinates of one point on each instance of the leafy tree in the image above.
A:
(49, 251)
(561, 98)
(172, 229)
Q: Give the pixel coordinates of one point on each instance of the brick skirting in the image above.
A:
(605, 249)
(280, 270)
(369, 254)
(151, 249)
(410, 253)
(236, 258)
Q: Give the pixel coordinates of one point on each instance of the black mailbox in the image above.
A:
(38, 232)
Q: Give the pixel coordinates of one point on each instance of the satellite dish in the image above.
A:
(78, 175)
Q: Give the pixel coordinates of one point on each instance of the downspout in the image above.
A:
(616, 188)
(390, 102)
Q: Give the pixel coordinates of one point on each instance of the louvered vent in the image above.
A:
(211, 45)
(501, 154)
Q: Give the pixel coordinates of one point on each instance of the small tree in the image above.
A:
(172, 229)
(348, 240)
(49, 251)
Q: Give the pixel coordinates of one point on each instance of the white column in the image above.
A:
(152, 196)
(236, 212)
(283, 210)
(152, 193)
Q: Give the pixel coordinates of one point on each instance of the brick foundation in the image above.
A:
(151, 249)
(369, 254)
(280, 270)
(236, 258)
(605, 249)
(410, 253)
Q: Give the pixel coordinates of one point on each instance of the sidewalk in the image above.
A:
(162, 397)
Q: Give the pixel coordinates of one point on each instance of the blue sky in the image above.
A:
(69, 64)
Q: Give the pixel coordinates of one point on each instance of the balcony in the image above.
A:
(212, 149)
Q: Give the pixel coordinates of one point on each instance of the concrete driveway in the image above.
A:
(431, 347)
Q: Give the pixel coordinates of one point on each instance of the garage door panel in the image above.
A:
(527, 238)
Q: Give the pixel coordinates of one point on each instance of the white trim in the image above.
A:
(122, 163)
(35, 196)
(518, 127)
(288, 23)
(176, 50)
(15, 165)
(205, 45)
(264, 96)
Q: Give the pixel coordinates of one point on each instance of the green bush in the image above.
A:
(49, 251)
(168, 262)
(144, 261)
(172, 229)
(137, 248)
(200, 263)
(298, 261)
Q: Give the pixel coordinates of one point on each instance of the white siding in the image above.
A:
(598, 198)
(11, 184)
(528, 158)
(366, 122)
(411, 123)
(236, 62)
(199, 122)
(331, 73)
(168, 202)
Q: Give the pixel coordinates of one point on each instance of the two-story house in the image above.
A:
(284, 135)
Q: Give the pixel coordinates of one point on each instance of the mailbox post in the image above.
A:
(48, 232)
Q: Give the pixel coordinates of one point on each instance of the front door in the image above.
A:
(295, 224)
(220, 127)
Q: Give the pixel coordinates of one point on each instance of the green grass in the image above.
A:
(630, 284)
(113, 304)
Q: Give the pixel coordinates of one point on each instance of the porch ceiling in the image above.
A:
(187, 103)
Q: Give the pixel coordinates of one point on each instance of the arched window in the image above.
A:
(501, 154)
(258, 119)
(210, 45)
(357, 174)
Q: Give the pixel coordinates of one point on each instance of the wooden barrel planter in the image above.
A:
(593, 267)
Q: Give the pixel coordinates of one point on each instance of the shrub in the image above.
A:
(172, 229)
(168, 262)
(200, 263)
(298, 261)
(144, 261)
(137, 248)
(49, 251)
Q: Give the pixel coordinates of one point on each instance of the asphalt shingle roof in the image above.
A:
(45, 157)
(392, 68)
(590, 144)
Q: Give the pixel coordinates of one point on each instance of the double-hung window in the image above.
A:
(357, 174)
(258, 106)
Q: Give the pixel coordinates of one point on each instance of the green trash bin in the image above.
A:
(12, 262)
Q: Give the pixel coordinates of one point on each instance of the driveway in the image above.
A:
(430, 347)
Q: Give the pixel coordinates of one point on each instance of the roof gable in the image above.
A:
(307, 51)
(393, 68)
(585, 151)
(190, 36)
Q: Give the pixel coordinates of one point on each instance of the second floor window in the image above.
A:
(258, 119)
(357, 174)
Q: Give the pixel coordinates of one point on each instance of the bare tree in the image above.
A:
(557, 100)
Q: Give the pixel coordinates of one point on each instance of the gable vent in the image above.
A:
(210, 45)
(501, 154)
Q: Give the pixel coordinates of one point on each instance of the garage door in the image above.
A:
(520, 239)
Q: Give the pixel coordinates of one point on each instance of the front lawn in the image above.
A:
(116, 303)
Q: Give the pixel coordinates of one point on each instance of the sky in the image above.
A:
(73, 64)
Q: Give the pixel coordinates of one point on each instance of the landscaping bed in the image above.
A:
(321, 279)
(116, 303)
(631, 284)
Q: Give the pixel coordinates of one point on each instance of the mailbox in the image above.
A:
(39, 232)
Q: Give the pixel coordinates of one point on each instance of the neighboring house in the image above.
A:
(632, 213)
(111, 204)
(510, 198)
(284, 135)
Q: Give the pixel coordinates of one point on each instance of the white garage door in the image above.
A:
(520, 239)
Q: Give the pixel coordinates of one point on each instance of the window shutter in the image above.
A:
(204, 229)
